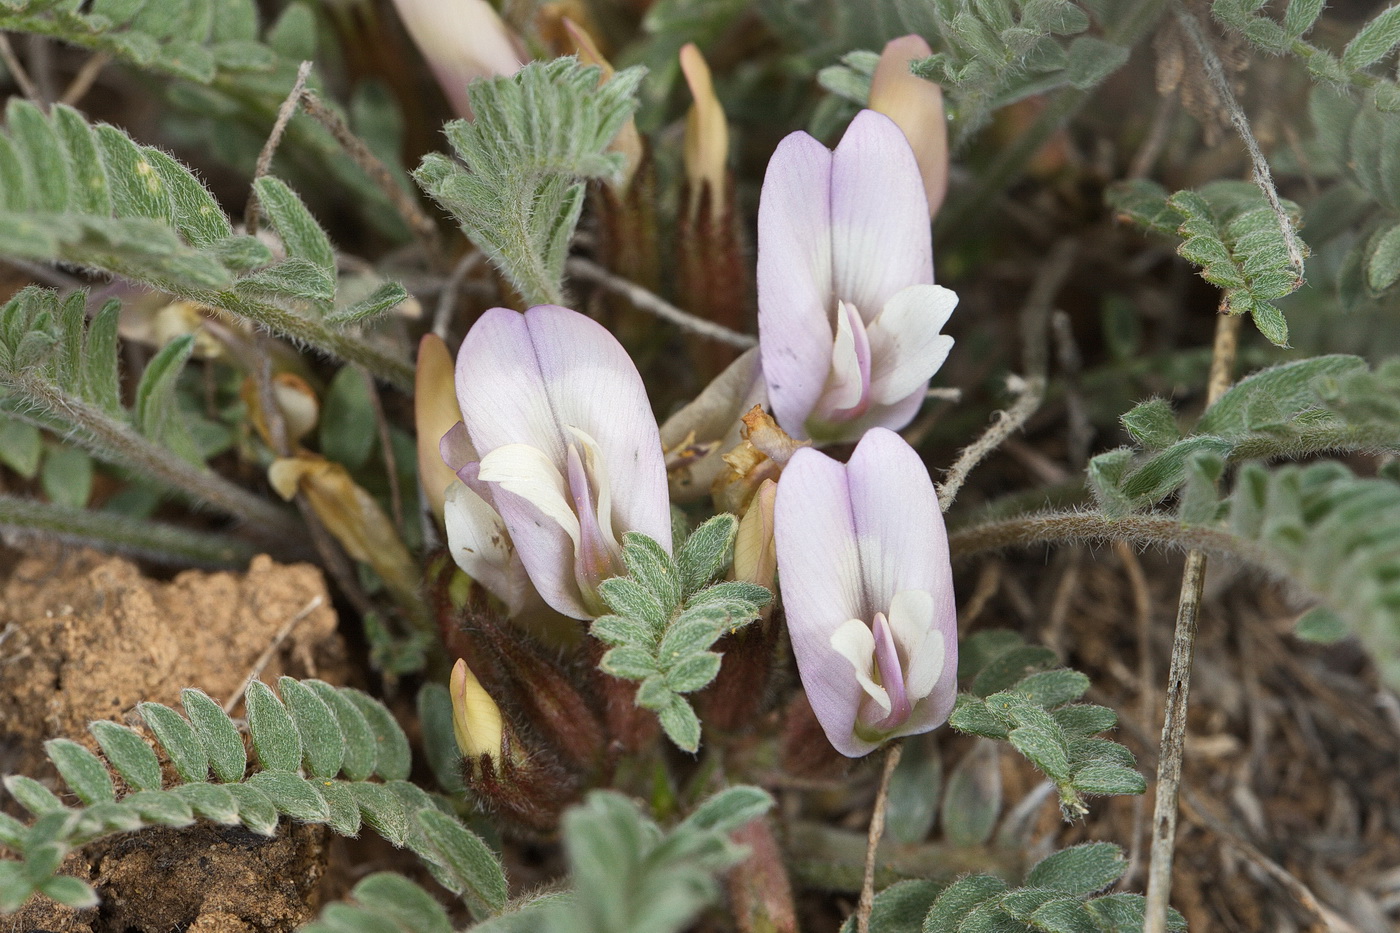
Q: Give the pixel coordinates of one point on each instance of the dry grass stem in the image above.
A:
(266, 657)
(877, 829)
(654, 304)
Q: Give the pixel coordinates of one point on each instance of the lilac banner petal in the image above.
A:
(531, 384)
(794, 278)
(881, 241)
(819, 566)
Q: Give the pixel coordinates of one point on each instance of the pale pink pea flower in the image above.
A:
(867, 585)
(563, 457)
(849, 320)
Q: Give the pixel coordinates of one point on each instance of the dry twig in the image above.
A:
(263, 659)
(877, 830)
(1164, 814)
(655, 304)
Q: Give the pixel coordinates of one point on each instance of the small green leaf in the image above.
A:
(275, 736)
(33, 796)
(653, 569)
(1081, 869)
(1053, 688)
(730, 809)
(300, 233)
(470, 863)
(347, 431)
(706, 552)
(681, 724)
(693, 673)
(12, 832)
(393, 759)
(1383, 259)
(1011, 667)
(915, 788)
(1374, 41)
(384, 298)
(211, 801)
(632, 600)
(900, 908)
(179, 740)
(395, 897)
(128, 754)
(20, 447)
(1270, 322)
(1152, 424)
(382, 810)
(255, 809)
(136, 188)
(1083, 719)
(1123, 913)
(972, 801)
(70, 892)
(198, 216)
(629, 663)
(217, 733)
(1321, 625)
(621, 630)
(81, 770)
(164, 808)
(361, 750)
(157, 412)
(322, 743)
(344, 815)
(1109, 779)
(292, 794)
(439, 739)
(959, 899)
(66, 476)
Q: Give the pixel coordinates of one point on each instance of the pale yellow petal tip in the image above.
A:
(755, 557)
(916, 106)
(706, 130)
(476, 719)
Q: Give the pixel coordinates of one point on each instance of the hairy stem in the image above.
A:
(115, 440)
(655, 304)
(1056, 527)
(877, 830)
(166, 544)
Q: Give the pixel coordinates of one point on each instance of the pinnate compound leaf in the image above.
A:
(218, 734)
(470, 863)
(128, 754)
(275, 736)
(535, 136)
(179, 741)
(81, 770)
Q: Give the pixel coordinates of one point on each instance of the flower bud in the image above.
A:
(461, 40)
(628, 142)
(435, 411)
(706, 151)
(916, 107)
(476, 719)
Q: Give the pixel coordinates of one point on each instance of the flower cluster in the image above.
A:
(558, 453)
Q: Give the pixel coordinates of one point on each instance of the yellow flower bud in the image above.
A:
(476, 719)
(435, 410)
(706, 132)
